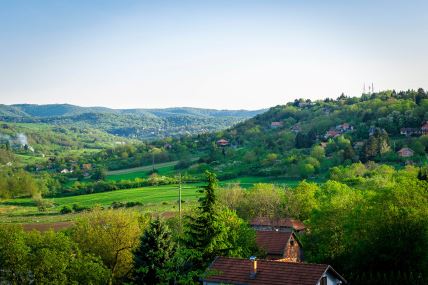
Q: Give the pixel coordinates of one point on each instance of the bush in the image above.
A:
(43, 205)
(117, 205)
(133, 204)
(77, 208)
(66, 210)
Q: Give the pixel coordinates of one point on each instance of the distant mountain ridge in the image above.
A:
(57, 110)
(137, 123)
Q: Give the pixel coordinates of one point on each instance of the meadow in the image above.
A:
(154, 199)
(159, 199)
(141, 172)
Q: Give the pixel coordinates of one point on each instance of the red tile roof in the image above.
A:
(273, 242)
(237, 271)
(222, 142)
(276, 124)
(284, 223)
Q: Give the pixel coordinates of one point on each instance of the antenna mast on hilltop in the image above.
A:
(372, 88)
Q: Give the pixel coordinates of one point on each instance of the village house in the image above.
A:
(345, 127)
(222, 142)
(424, 129)
(359, 145)
(332, 134)
(86, 166)
(226, 270)
(279, 225)
(405, 152)
(295, 128)
(280, 246)
(66, 171)
(409, 131)
(275, 125)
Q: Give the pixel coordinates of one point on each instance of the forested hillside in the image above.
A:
(134, 123)
(304, 138)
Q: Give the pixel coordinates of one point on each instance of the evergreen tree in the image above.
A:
(156, 248)
(203, 229)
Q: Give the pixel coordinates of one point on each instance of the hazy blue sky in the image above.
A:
(219, 54)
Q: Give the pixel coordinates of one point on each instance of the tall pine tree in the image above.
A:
(203, 229)
(156, 248)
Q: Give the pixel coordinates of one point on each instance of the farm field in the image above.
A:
(140, 172)
(165, 168)
(154, 199)
(157, 199)
(249, 181)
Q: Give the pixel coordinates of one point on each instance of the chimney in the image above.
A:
(253, 271)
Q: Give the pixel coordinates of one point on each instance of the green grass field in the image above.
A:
(165, 168)
(155, 199)
(140, 172)
(249, 181)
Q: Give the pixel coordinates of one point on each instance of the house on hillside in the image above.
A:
(280, 246)
(424, 129)
(280, 225)
(405, 152)
(332, 134)
(222, 142)
(323, 144)
(86, 166)
(345, 127)
(296, 128)
(224, 270)
(275, 125)
(359, 145)
(66, 171)
(409, 131)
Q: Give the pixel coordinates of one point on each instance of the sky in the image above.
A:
(223, 54)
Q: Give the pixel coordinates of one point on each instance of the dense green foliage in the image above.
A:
(138, 123)
(367, 219)
(150, 258)
(347, 129)
(366, 215)
(27, 258)
(111, 235)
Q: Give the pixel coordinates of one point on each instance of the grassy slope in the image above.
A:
(154, 199)
(166, 168)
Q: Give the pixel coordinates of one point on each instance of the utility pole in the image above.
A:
(179, 196)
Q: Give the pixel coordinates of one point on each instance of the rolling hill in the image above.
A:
(132, 123)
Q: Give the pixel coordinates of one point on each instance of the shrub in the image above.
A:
(133, 204)
(117, 205)
(77, 208)
(43, 205)
(66, 210)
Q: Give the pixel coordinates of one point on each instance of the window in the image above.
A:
(323, 280)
